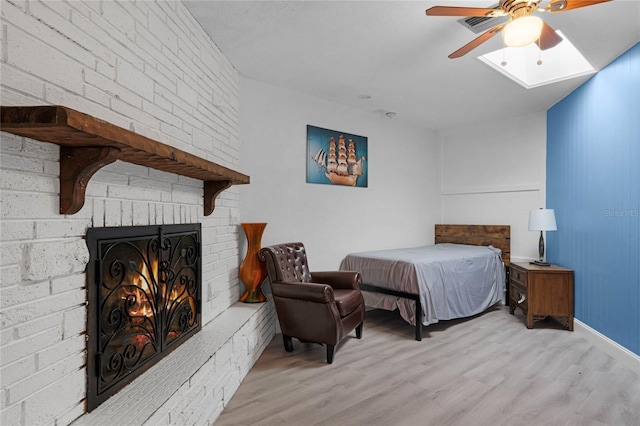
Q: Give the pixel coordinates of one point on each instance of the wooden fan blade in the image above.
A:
(555, 6)
(462, 11)
(476, 42)
(548, 37)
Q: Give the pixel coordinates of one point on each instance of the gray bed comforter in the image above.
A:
(453, 280)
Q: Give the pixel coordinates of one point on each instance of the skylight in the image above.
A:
(561, 62)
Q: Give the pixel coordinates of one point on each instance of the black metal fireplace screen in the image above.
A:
(144, 300)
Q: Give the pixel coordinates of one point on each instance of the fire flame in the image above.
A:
(147, 276)
(142, 306)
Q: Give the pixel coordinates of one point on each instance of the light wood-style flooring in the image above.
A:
(485, 370)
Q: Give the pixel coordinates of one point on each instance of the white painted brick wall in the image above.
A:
(148, 67)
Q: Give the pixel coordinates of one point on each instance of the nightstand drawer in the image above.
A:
(519, 276)
(516, 286)
(519, 295)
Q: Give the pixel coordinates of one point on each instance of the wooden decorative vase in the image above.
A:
(252, 270)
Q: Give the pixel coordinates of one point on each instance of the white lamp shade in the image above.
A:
(522, 31)
(542, 220)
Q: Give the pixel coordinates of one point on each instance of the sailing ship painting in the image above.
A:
(336, 158)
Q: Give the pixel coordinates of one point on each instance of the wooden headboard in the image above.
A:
(498, 236)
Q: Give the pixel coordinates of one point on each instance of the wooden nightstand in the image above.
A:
(542, 291)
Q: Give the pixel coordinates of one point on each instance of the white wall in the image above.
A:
(149, 67)
(398, 208)
(494, 173)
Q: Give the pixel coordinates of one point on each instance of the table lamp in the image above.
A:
(542, 220)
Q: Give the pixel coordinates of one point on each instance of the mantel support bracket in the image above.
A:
(77, 166)
(211, 190)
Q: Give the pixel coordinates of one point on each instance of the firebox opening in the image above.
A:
(144, 290)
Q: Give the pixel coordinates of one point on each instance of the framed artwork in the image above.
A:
(336, 158)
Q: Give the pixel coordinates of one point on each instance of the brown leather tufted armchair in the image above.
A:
(320, 307)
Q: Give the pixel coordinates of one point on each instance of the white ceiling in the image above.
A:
(393, 52)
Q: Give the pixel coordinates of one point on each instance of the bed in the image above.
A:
(462, 275)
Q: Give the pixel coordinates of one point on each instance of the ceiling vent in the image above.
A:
(479, 24)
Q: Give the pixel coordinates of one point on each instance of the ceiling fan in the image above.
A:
(522, 28)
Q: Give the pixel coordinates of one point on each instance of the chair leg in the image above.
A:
(330, 350)
(359, 330)
(288, 343)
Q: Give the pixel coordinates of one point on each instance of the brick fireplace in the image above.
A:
(147, 67)
(45, 261)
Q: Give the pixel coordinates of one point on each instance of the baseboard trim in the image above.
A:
(615, 350)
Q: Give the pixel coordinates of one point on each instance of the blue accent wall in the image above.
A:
(593, 183)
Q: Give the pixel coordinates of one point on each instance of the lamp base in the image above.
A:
(539, 263)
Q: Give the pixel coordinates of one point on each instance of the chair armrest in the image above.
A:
(311, 292)
(338, 279)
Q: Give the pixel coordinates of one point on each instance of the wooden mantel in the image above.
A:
(88, 144)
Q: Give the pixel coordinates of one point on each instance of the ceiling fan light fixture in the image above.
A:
(522, 31)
